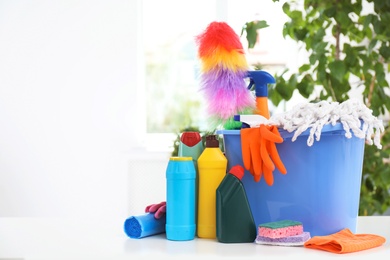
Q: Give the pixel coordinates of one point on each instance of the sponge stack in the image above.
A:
(278, 229)
(284, 232)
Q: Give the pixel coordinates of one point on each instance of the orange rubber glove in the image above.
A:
(259, 152)
(250, 148)
(269, 153)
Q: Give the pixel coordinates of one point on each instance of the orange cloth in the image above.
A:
(345, 241)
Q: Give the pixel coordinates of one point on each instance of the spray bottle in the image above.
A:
(212, 165)
(191, 145)
(261, 79)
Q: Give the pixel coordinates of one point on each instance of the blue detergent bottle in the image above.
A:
(180, 201)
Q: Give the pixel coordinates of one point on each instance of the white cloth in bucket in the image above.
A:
(351, 113)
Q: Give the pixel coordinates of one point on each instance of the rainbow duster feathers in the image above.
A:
(223, 70)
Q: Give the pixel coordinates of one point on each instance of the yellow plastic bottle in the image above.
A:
(212, 166)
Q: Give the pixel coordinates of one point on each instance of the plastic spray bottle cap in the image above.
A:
(212, 141)
(190, 138)
(260, 79)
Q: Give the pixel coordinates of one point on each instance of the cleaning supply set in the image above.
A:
(287, 176)
(299, 182)
(278, 180)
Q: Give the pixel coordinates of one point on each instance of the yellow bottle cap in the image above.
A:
(178, 158)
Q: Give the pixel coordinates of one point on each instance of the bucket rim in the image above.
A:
(326, 129)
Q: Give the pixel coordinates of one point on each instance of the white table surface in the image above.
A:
(56, 238)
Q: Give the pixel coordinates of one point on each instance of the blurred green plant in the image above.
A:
(348, 49)
(251, 30)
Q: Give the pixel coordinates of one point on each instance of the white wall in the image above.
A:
(70, 111)
(67, 99)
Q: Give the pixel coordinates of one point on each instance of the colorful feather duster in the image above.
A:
(223, 70)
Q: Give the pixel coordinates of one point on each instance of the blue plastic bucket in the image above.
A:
(321, 188)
